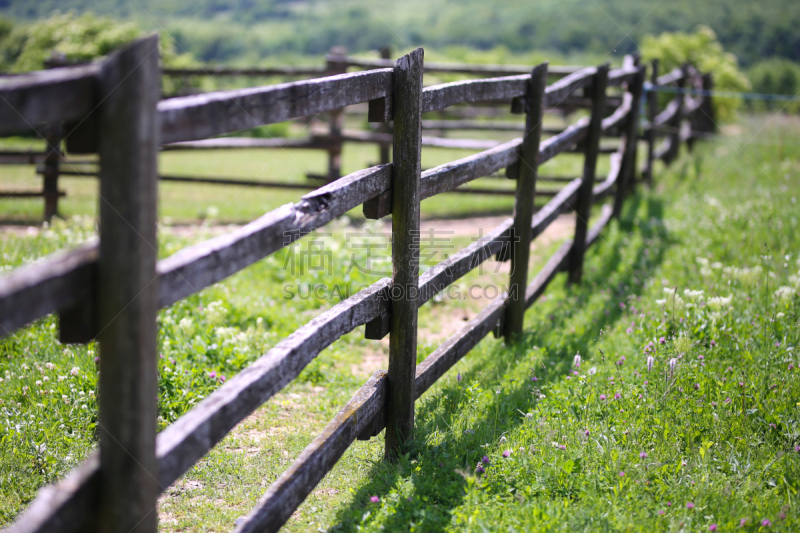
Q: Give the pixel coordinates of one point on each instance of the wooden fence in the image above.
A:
(110, 289)
(53, 165)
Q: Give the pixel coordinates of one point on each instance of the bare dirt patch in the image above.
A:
(448, 315)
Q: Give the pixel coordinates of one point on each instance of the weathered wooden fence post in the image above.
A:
(707, 119)
(677, 121)
(52, 159)
(627, 171)
(406, 173)
(652, 111)
(584, 203)
(385, 127)
(127, 287)
(528, 165)
(334, 64)
(693, 82)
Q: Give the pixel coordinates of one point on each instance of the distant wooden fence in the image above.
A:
(110, 289)
(53, 165)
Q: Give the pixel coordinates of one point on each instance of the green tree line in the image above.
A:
(222, 30)
(70, 37)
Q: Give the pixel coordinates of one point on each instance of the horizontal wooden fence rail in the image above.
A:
(196, 117)
(454, 68)
(252, 72)
(360, 63)
(59, 95)
(29, 194)
(70, 283)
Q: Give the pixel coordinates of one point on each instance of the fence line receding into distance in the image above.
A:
(53, 163)
(111, 288)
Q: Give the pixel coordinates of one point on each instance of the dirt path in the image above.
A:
(442, 321)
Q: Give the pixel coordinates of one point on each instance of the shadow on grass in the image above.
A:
(33, 221)
(436, 471)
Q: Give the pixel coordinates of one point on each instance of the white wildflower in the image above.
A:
(747, 276)
(693, 295)
(50, 366)
(720, 302)
(784, 293)
(75, 371)
(225, 333)
(576, 361)
(673, 301)
(780, 315)
(215, 313)
(592, 371)
(186, 326)
(650, 361)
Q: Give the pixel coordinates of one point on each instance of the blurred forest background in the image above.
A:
(750, 45)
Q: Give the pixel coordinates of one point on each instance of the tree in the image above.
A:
(701, 49)
(65, 37)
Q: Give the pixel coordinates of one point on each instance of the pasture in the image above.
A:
(513, 435)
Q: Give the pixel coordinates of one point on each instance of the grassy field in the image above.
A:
(701, 274)
(181, 203)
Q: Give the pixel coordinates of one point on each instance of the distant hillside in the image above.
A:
(222, 30)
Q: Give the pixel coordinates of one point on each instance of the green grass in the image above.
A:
(723, 221)
(181, 203)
